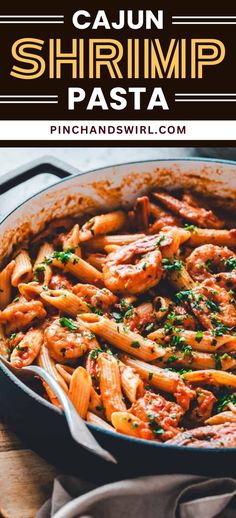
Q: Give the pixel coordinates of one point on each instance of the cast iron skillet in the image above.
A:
(43, 427)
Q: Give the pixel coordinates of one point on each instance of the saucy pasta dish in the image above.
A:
(134, 314)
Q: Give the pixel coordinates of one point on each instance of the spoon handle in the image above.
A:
(79, 431)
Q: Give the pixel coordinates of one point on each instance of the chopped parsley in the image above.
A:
(212, 305)
(19, 348)
(63, 256)
(184, 295)
(199, 336)
(231, 263)
(160, 240)
(149, 327)
(187, 351)
(190, 228)
(171, 266)
(171, 359)
(95, 353)
(40, 268)
(95, 310)
(177, 341)
(69, 323)
(155, 427)
(129, 313)
(135, 345)
(224, 397)
(117, 316)
(225, 356)
(217, 359)
(219, 328)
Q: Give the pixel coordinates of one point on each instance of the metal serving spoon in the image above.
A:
(78, 429)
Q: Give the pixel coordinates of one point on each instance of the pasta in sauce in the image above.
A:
(134, 314)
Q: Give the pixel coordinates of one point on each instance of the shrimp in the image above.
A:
(212, 305)
(215, 436)
(128, 270)
(22, 314)
(98, 298)
(226, 280)
(208, 259)
(163, 416)
(205, 402)
(66, 344)
(201, 217)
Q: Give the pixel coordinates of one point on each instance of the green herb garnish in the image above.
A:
(69, 323)
(135, 345)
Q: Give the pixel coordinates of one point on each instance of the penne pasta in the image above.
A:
(96, 260)
(129, 424)
(131, 383)
(29, 291)
(212, 377)
(97, 421)
(71, 263)
(223, 417)
(173, 238)
(79, 391)
(181, 279)
(28, 349)
(222, 237)
(72, 240)
(203, 341)
(5, 284)
(123, 338)
(144, 309)
(99, 243)
(95, 403)
(45, 361)
(164, 380)
(23, 269)
(102, 224)
(43, 272)
(65, 301)
(111, 248)
(195, 359)
(161, 307)
(110, 385)
(64, 372)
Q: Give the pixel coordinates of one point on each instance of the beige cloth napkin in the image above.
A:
(164, 496)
